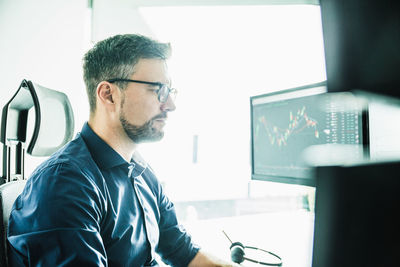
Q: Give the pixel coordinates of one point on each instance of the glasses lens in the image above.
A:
(164, 92)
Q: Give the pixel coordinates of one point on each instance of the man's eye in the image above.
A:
(153, 88)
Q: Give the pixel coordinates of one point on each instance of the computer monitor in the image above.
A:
(285, 125)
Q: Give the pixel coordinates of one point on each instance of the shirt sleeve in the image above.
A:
(175, 244)
(55, 221)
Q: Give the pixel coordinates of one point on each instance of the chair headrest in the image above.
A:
(54, 119)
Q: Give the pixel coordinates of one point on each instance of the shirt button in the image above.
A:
(130, 168)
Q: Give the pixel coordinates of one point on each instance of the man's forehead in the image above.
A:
(154, 69)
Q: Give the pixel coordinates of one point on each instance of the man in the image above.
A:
(96, 202)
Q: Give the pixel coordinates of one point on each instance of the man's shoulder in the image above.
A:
(75, 152)
(74, 156)
(71, 169)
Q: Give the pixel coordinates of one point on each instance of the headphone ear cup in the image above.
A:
(237, 252)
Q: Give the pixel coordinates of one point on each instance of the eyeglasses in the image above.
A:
(163, 90)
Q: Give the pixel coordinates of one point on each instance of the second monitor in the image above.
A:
(286, 123)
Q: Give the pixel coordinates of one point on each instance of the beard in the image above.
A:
(144, 133)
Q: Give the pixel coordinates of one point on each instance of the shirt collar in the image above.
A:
(138, 165)
(104, 155)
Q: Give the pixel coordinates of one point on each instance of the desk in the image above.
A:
(288, 234)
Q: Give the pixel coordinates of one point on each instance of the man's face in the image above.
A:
(142, 116)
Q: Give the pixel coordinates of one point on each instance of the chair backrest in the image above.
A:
(8, 193)
(53, 127)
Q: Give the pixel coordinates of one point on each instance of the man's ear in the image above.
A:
(105, 94)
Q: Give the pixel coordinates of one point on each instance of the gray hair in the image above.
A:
(116, 57)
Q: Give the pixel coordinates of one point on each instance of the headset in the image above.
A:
(238, 254)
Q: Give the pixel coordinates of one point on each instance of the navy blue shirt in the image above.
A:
(87, 206)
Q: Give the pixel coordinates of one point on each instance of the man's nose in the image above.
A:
(169, 105)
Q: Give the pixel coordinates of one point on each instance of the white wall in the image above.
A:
(117, 17)
(44, 41)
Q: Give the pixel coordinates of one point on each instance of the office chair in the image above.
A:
(53, 127)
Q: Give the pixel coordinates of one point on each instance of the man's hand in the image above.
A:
(203, 259)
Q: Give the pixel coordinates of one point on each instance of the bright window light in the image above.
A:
(221, 56)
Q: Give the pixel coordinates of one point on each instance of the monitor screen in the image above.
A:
(285, 124)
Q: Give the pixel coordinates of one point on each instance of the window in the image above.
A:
(222, 56)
